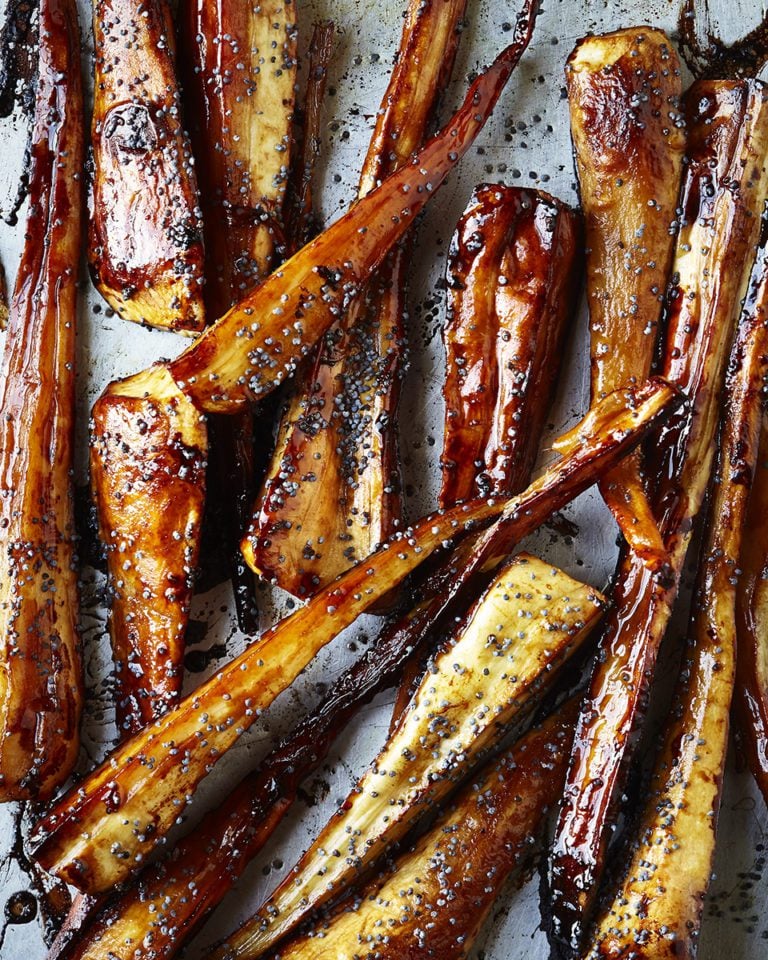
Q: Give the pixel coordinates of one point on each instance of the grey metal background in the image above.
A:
(526, 143)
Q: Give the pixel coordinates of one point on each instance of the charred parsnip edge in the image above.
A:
(722, 199)
(147, 781)
(628, 134)
(40, 670)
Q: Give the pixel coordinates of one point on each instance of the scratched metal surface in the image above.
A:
(527, 142)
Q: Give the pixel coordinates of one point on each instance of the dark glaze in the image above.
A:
(145, 242)
(656, 911)
(239, 64)
(216, 852)
(153, 784)
(332, 491)
(722, 199)
(513, 281)
(624, 97)
(259, 343)
(148, 459)
(40, 679)
(714, 59)
(434, 899)
(17, 57)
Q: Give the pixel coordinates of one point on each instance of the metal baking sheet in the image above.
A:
(526, 143)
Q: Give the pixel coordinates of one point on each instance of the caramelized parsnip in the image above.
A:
(146, 244)
(519, 632)
(40, 675)
(724, 187)
(258, 344)
(148, 459)
(656, 911)
(623, 93)
(513, 281)
(99, 833)
(435, 898)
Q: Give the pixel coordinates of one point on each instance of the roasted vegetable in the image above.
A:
(332, 491)
(527, 623)
(623, 93)
(434, 900)
(3, 299)
(148, 459)
(40, 676)
(155, 913)
(656, 911)
(751, 695)
(99, 833)
(146, 243)
(722, 198)
(239, 95)
(512, 277)
(240, 359)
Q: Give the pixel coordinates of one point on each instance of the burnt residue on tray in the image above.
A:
(18, 61)
(708, 56)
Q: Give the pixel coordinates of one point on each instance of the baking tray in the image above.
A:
(526, 143)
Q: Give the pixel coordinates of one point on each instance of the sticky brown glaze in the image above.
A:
(332, 491)
(239, 67)
(513, 282)
(624, 97)
(3, 299)
(259, 343)
(487, 672)
(435, 898)
(40, 671)
(751, 694)
(722, 199)
(148, 463)
(155, 916)
(98, 834)
(656, 911)
(145, 243)
(708, 56)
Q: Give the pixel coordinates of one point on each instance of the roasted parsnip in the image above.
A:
(141, 534)
(99, 833)
(656, 911)
(723, 191)
(148, 459)
(40, 676)
(527, 623)
(513, 278)
(332, 490)
(751, 694)
(239, 96)
(3, 299)
(258, 344)
(434, 900)
(623, 92)
(155, 914)
(146, 242)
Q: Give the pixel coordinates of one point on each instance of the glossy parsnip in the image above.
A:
(751, 694)
(435, 898)
(512, 281)
(240, 72)
(155, 915)
(331, 493)
(628, 134)
(99, 833)
(40, 672)
(498, 661)
(656, 911)
(722, 199)
(148, 459)
(257, 345)
(145, 244)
